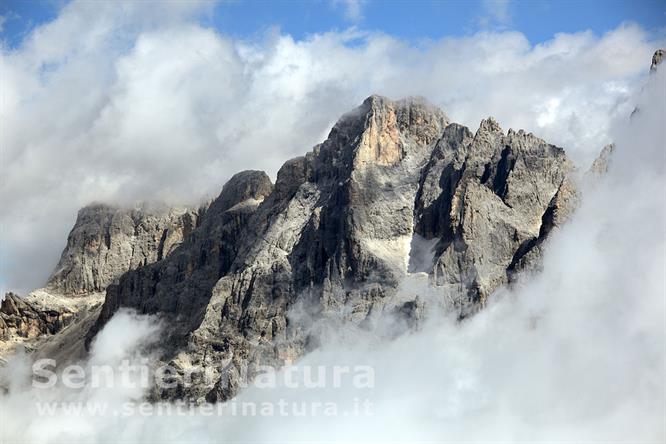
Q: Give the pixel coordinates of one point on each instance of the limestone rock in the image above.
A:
(488, 199)
(657, 58)
(107, 241)
(19, 317)
(600, 165)
(395, 191)
(40, 322)
(335, 236)
(180, 284)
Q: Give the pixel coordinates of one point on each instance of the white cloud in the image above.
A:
(111, 102)
(123, 341)
(574, 354)
(496, 14)
(100, 105)
(353, 9)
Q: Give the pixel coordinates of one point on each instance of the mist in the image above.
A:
(117, 103)
(572, 353)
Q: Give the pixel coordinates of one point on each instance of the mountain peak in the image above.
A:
(657, 58)
(339, 230)
(490, 125)
(386, 126)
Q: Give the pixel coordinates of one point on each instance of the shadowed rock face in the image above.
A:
(179, 285)
(395, 188)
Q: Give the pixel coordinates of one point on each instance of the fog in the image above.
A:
(113, 103)
(119, 103)
(573, 353)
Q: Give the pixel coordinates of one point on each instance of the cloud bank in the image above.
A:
(573, 354)
(114, 102)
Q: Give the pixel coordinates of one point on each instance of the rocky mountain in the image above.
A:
(107, 241)
(46, 323)
(22, 318)
(395, 190)
(657, 58)
(600, 165)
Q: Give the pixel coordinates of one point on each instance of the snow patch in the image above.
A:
(394, 250)
(421, 254)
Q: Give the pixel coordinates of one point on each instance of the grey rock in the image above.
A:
(333, 239)
(179, 285)
(600, 165)
(657, 58)
(18, 317)
(489, 198)
(265, 272)
(107, 241)
(47, 323)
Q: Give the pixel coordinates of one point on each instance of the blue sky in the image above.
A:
(412, 20)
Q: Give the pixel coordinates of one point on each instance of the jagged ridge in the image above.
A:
(335, 234)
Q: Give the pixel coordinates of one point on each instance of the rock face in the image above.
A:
(396, 188)
(395, 192)
(489, 199)
(179, 285)
(657, 58)
(600, 165)
(107, 241)
(19, 317)
(52, 326)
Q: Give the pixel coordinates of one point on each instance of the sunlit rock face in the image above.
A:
(395, 189)
(107, 241)
(19, 317)
(491, 199)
